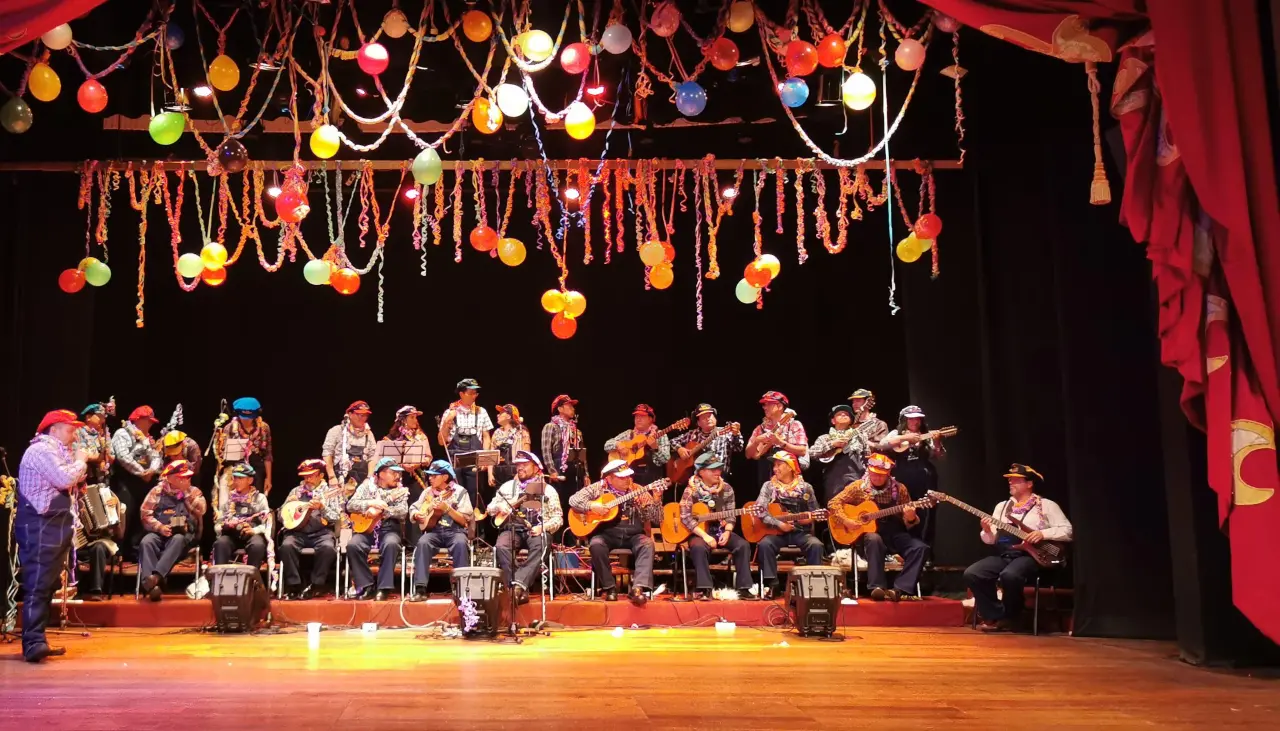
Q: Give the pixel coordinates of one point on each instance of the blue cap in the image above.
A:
(708, 461)
(247, 406)
(244, 469)
(441, 467)
(93, 409)
(386, 463)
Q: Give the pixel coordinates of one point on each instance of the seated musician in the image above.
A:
(444, 514)
(241, 519)
(381, 498)
(99, 545)
(630, 530)
(657, 449)
(171, 516)
(175, 444)
(780, 430)
(315, 532)
(1013, 567)
(707, 487)
(788, 489)
(531, 522)
(723, 445)
(891, 531)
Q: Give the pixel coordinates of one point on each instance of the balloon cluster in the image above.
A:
(759, 274)
(89, 271)
(658, 255)
(921, 238)
(567, 305)
(320, 272)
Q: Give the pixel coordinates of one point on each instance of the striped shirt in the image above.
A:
(48, 467)
(134, 451)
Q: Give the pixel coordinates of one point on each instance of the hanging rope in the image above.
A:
(1100, 190)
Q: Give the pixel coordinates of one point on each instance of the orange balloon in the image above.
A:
(476, 26)
(668, 251)
(564, 326)
(486, 117)
(214, 277)
(757, 275)
(831, 51)
(802, 58)
(484, 238)
(661, 276)
(723, 54)
(346, 280)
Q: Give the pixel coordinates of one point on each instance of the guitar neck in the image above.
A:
(721, 515)
(623, 499)
(1009, 528)
(886, 512)
(810, 515)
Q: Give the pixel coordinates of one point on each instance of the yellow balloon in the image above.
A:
(553, 301)
(325, 141)
(909, 249)
(741, 16)
(44, 83)
(536, 45)
(652, 253)
(511, 252)
(213, 255)
(661, 276)
(575, 303)
(579, 121)
(859, 91)
(224, 74)
(770, 262)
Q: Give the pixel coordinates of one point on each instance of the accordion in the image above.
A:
(97, 515)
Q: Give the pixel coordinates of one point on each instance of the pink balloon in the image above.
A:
(575, 58)
(945, 23)
(910, 54)
(665, 20)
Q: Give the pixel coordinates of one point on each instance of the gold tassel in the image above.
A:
(1100, 189)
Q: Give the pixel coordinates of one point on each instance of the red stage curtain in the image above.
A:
(1200, 192)
(23, 21)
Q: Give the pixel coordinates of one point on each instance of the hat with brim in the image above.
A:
(617, 468)
(861, 393)
(879, 464)
(387, 463)
(177, 468)
(406, 410)
(510, 410)
(142, 412)
(247, 407)
(527, 457)
(173, 440)
(561, 400)
(310, 467)
(775, 397)
(701, 409)
(911, 412)
(643, 409)
(1026, 472)
(846, 408)
(708, 461)
(788, 459)
(60, 416)
(441, 467)
(92, 409)
(359, 407)
(244, 469)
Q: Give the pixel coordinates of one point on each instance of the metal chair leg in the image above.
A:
(684, 571)
(1035, 616)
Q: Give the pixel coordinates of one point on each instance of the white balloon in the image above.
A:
(58, 38)
(512, 100)
(616, 38)
(859, 91)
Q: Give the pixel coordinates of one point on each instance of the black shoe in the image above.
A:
(611, 595)
(893, 595)
(522, 595)
(382, 595)
(40, 652)
(419, 595)
(291, 593)
(879, 594)
(746, 595)
(773, 591)
(94, 596)
(149, 584)
(362, 594)
(315, 591)
(155, 594)
(637, 597)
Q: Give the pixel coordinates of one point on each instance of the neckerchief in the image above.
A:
(344, 459)
(567, 429)
(794, 489)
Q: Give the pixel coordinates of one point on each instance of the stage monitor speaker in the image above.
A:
(813, 593)
(481, 586)
(239, 598)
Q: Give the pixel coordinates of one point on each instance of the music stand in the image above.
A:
(235, 449)
(404, 452)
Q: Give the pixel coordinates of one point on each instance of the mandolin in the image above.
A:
(361, 523)
(674, 530)
(760, 448)
(1045, 553)
(861, 430)
(294, 513)
(754, 528)
(584, 523)
(680, 468)
(946, 431)
(634, 448)
(864, 516)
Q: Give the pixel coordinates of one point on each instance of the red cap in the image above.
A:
(310, 467)
(645, 409)
(561, 400)
(142, 412)
(177, 468)
(361, 407)
(778, 396)
(61, 416)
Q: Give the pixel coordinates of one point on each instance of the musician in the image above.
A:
(171, 515)
(531, 525)
(406, 428)
(241, 519)
(788, 489)
(249, 424)
(510, 438)
(723, 445)
(350, 442)
(135, 464)
(100, 545)
(780, 430)
(891, 531)
(1011, 566)
(631, 530)
(315, 532)
(94, 440)
(657, 448)
(914, 466)
(465, 427)
(708, 487)
(560, 435)
(839, 451)
(447, 503)
(175, 444)
(43, 522)
(377, 497)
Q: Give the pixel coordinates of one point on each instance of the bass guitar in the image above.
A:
(864, 516)
(584, 523)
(679, 468)
(1045, 553)
(294, 513)
(634, 448)
(946, 431)
(361, 523)
(674, 530)
(754, 528)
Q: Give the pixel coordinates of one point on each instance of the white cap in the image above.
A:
(526, 457)
(617, 468)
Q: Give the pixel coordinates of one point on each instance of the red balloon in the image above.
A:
(757, 276)
(831, 50)
(71, 281)
(373, 58)
(346, 280)
(563, 326)
(214, 277)
(484, 238)
(92, 96)
(668, 252)
(723, 54)
(292, 206)
(575, 58)
(802, 58)
(928, 226)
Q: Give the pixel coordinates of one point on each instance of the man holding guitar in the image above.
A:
(444, 515)
(708, 489)
(532, 521)
(796, 497)
(382, 500)
(891, 530)
(780, 430)
(642, 509)
(315, 531)
(653, 446)
(242, 519)
(722, 443)
(1012, 565)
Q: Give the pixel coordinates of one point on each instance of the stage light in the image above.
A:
(728, 192)
(571, 194)
(266, 64)
(202, 91)
(274, 191)
(596, 90)
(360, 92)
(411, 194)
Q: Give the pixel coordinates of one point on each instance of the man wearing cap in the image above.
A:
(529, 522)
(315, 532)
(444, 514)
(914, 467)
(723, 445)
(175, 444)
(707, 487)
(780, 430)
(171, 515)
(838, 450)
(247, 423)
(42, 526)
(94, 440)
(1044, 520)
(657, 447)
(788, 489)
(891, 531)
(135, 464)
(509, 438)
(100, 546)
(349, 442)
(560, 435)
(465, 427)
(630, 530)
(380, 496)
(241, 520)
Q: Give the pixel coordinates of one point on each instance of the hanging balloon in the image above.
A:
(346, 280)
(832, 50)
(58, 38)
(44, 82)
(928, 226)
(553, 301)
(575, 303)
(173, 37)
(87, 262)
(575, 58)
(770, 262)
(741, 16)
(661, 276)
(373, 58)
(665, 20)
(651, 253)
(945, 23)
(167, 127)
(668, 252)
(485, 116)
(190, 265)
(214, 277)
(563, 326)
(92, 96)
(232, 155)
(317, 272)
(483, 238)
(394, 24)
(511, 252)
(910, 54)
(858, 91)
(802, 58)
(535, 45)
(512, 100)
(757, 275)
(691, 98)
(745, 293)
(793, 92)
(15, 116)
(213, 255)
(97, 273)
(616, 38)
(723, 54)
(579, 121)
(427, 168)
(71, 281)
(476, 26)
(224, 74)
(909, 249)
(325, 141)
(291, 206)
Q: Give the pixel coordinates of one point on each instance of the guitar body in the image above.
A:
(294, 514)
(753, 528)
(630, 450)
(1041, 554)
(673, 529)
(680, 470)
(845, 535)
(584, 524)
(361, 523)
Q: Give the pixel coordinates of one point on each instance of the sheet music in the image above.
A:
(235, 450)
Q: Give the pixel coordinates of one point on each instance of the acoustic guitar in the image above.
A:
(1045, 553)
(433, 509)
(634, 448)
(294, 513)
(674, 530)
(361, 523)
(754, 528)
(584, 523)
(759, 451)
(864, 516)
(946, 431)
(679, 469)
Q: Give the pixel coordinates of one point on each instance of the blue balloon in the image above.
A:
(173, 37)
(691, 98)
(794, 92)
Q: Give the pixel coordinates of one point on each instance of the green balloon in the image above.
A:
(745, 293)
(15, 115)
(317, 271)
(427, 169)
(167, 127)
(97, 274)
(190, 265)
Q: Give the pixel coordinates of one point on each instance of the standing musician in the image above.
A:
(249, 424)
(657, 448)
(407, 429)
(723, 445)
(171, 514)
(870, 428)
(175, 445)
(780, 430)
(242, 520)
(1012, 567)
(375, 499)
(630, 531)
(444, 514)
(914, 467)
(135, 464)
(891, 531)
(43, 523)
(94, 440)
(350, 442)
(707, 487)
(840, 451)
(97, 547)
(316, 532)
(788, 489)
(510, 438)
(465, 427)
(560, 435)
(533, 521)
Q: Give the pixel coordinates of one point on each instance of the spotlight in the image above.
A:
(728, 192)
(360, 92)
(274, 191)
(596, 90)
(411, 194)
(266, 63)
(202, 91)
(571, 194)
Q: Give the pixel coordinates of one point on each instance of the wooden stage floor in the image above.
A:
(677, 679)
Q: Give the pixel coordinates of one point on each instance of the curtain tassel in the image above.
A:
(1100, 189)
